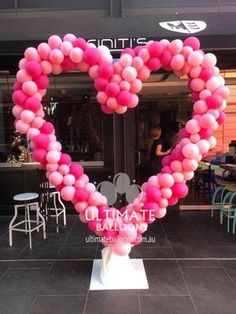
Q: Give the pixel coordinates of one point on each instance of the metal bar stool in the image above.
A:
(52, 203)
(29, 205)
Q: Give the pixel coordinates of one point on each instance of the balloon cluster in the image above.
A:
(117, 84)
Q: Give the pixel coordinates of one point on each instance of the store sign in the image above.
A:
(118, 44)
(185, 27)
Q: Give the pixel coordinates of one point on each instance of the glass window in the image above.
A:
(71, 106)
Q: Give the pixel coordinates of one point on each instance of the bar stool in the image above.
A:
(52, 203)
(29, 205)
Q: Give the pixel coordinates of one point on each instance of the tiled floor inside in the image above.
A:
(191, 268)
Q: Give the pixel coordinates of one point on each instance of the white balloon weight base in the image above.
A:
(114, 272)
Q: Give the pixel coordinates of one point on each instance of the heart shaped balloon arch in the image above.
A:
(117, 84)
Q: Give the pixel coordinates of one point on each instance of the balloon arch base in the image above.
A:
(115, 272)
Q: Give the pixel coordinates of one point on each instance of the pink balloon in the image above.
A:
(32, 104)
(124, 85)
(166, 192)
(42, 81)
(137, 63)
(81, 206)
(64, 169)
(112, 89)
(179, 190)
(124, 98)
(66, 47)
(91, 56)
(156, 49)
(37, 123)
(31, 54)
(190, 150)
(153, 193)
(177, 62)
(195, 58)
(166, 58)
(29, 88)
(67, 193)
(55, 178)
(44, 49)
(200, 107)
(209, 60)
(47, 128)
(195, 71)
(33, 68)
(16, 111)
(192, 126)
(126, 60)
(213, 83)
(55, 145)
(69, 179)
(189, 164)
(129, 73)
(56, 56)
(101, 98)
(154, 64)
(176, 166)
(192, 42)
(121, 248)
(203, 146)
(51, 167)
(22, 76)
(178, 176)
(22, 126)
(221, 118)
(41, 141)
(143, 73)
(93, 71)
(53, 156)
(166, 180)
(112, 102)
(176, 46)
(106, 70)
(206, 121)
(160, 213)
(54, 41)
(81, 194)
(204, 94)
(76, 170)
(32, 132)
(197, 84)
(214, 101)
(39, 155)
(136, 86)
(94, 198)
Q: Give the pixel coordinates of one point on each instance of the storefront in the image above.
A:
(106, 145)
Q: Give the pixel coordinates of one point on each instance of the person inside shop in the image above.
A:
(157, 151)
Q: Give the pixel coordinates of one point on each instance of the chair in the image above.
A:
(49, 200)
(228, 207)
(217, 198)
(29, 204)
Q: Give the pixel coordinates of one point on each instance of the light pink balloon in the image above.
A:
(204, 94)
(189, 164)
(44, 49)
(55, 145)
(206, 121)
(66, 47)
(29, 88)
(176, 166)
(94, 198)
(112, 102)
(55, 178)
(51, 167)
(166, 192)
(93, 71)
(120, 109)
(46, 67)
(194, 138)
(144, 55)
(195, 72)
(129, 73)
(177, 62)
(54, 41)
(16, 110)
(22, 127)
(38, 122)
(176, 46)
(195, 58)
(53, 156)
(178, 177)
(137, 63)
(160, 213)
(124, 85)
(209, 60)
(200, 107)
(203, 146)
(102, 98)
(188, 175)
(22, 76)
(213, 83)
(126, 60)
(31, 54)
(32, 132)
(56, 56)
(81, 206)
(136, 86)
(192, 126)
(197, 84)
(69, 37)
(190, 151)
(121, 248)
(144, 73)
(67, 193)
(64, 169)
(166, 180)
(68, 179)
(27, 116)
